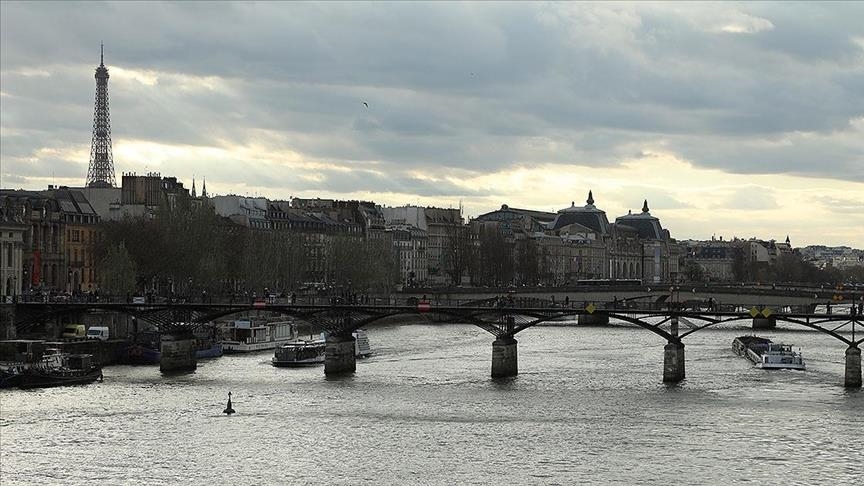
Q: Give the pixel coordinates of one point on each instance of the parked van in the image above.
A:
(98, 332)
(74, 331)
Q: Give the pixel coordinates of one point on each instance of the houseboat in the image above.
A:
(59, 369)
(250, 335)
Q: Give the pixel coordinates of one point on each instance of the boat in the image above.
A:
(300, 353)
(251, 335)
(61, 369)
(207, 345)
(207, 350)
(312, 352)
(10, 375)
(362, 349)
(146, 350)
(768, 355)
(141, 354)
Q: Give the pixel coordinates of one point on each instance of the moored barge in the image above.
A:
(768, 355)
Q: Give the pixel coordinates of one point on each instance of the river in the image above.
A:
(587, 407)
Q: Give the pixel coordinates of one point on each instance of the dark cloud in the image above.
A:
(475, 87)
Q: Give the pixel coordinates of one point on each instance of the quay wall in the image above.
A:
(109, 352)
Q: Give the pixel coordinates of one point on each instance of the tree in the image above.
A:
(495, 255)
(693, 272)
(117, 272)
(457, 251)
(528, 263)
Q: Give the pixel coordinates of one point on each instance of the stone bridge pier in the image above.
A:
(504, 357)
(853, 367)
(178, 353)
(593, 320)
(673, 362)
(339, 357)
(764, 322)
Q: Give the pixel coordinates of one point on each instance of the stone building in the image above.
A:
(60, 228)
(716, 258)
(12, 230)
(579, 243)
(657, 260)
(315, 230)
(444, 229)
(81, 232)
(43, 255)
(410, 244)
(245, 211)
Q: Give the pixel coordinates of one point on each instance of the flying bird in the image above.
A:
(366, 104)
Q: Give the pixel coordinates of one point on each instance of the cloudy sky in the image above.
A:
(731, 119)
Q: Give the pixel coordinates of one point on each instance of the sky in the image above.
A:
(731, 119)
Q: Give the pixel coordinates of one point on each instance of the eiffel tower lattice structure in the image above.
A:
(101, 170)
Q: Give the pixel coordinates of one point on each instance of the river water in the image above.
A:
(588, 406)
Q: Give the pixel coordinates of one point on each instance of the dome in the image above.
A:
(588, 216)
(646, 226)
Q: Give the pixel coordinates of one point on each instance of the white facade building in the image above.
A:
(247, 211)
(11, 258)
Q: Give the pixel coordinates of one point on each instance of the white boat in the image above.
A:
(301, 352)
(768, 355)
(249, 335)
(361, 344)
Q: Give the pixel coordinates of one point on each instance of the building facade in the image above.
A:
(445, 232)
(579, 243)
(11, 252)
(410, 244)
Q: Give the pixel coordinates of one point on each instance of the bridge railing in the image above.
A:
(621, 306)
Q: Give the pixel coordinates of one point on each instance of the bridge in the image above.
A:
(502, 317)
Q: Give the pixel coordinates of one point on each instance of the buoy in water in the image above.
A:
(228, 410)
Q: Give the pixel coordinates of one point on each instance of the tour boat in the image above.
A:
(246, 336)
(767, 354)
(312, 352)
(300, 353)
(361, 344)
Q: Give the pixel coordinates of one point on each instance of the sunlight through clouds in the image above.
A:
(730, 118)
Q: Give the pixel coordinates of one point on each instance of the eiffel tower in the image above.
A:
(101, 170)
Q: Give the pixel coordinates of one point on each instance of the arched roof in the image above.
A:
(588, 216)
(647, 226)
